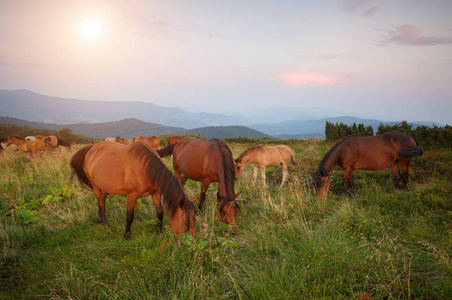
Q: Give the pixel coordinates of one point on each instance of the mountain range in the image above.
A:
(100, 119)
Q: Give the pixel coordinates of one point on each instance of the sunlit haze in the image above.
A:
(91, 28)
(372, 58)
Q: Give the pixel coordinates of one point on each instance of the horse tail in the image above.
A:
(63, 143)
(77, 162)
(292, 157)
(168, 150)
(412, 151)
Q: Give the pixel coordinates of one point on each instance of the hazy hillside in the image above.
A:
(27, 105)
(130, 128)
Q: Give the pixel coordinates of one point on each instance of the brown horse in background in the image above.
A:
(153, 141)
(134, 171)
(371, 153)
(26, 146)
(54, 141)
(265, 156)
(174, 139)
(207, 161)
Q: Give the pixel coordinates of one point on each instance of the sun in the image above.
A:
(91, 28)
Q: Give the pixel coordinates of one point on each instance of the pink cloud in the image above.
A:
(410, 35)
(305, 78)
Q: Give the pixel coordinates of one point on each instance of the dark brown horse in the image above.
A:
(54, 141)
(134, 171)
(207, 161)
(356, 152)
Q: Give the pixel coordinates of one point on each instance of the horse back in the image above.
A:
(197, 159)
(115, 169)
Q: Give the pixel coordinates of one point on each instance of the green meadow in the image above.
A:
(379, 243)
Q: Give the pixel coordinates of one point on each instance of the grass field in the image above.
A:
(379, 243)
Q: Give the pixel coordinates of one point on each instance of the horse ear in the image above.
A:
(236, 195)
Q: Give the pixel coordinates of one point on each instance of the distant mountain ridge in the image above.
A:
(106, 118)
(28, 105)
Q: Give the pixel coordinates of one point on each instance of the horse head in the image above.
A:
(228, 211)
(321, 183)
(238, 167)
(183, 219)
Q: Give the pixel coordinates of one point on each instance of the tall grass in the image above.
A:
(379, 243)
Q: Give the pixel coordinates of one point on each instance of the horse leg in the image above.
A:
(177, 173)
(395, 173)
(285, 173)
(263, 176)
(131, 202)
(204, 186)
(157, 199)
(404, 165)
(101, 196)
(256, 169)
(348, 173)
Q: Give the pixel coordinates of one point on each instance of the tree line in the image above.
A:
(335, 132)
(429, 137)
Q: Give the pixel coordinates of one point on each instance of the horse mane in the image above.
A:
(16, 136)
(229, 172)
(246, 151)
(167, 182)
(321, 169)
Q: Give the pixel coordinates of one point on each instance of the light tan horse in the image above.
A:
(54, 141)
(134, 171)
(26, 146)
(110, 139)
(153, 141)
(265, 156)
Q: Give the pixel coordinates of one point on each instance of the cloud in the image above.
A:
(410, 35)
(305, 78)
(366, 8)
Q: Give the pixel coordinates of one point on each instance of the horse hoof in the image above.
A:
(127, 235)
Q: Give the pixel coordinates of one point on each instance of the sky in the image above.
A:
(373, 58)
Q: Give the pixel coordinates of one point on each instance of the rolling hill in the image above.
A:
(130, 128)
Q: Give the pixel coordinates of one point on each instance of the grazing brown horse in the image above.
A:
(153, 141)
(371, 153)
(54, 141)
(265, 156)
(25, 146)
(134, 171)
(207, 161)
(174, 139)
